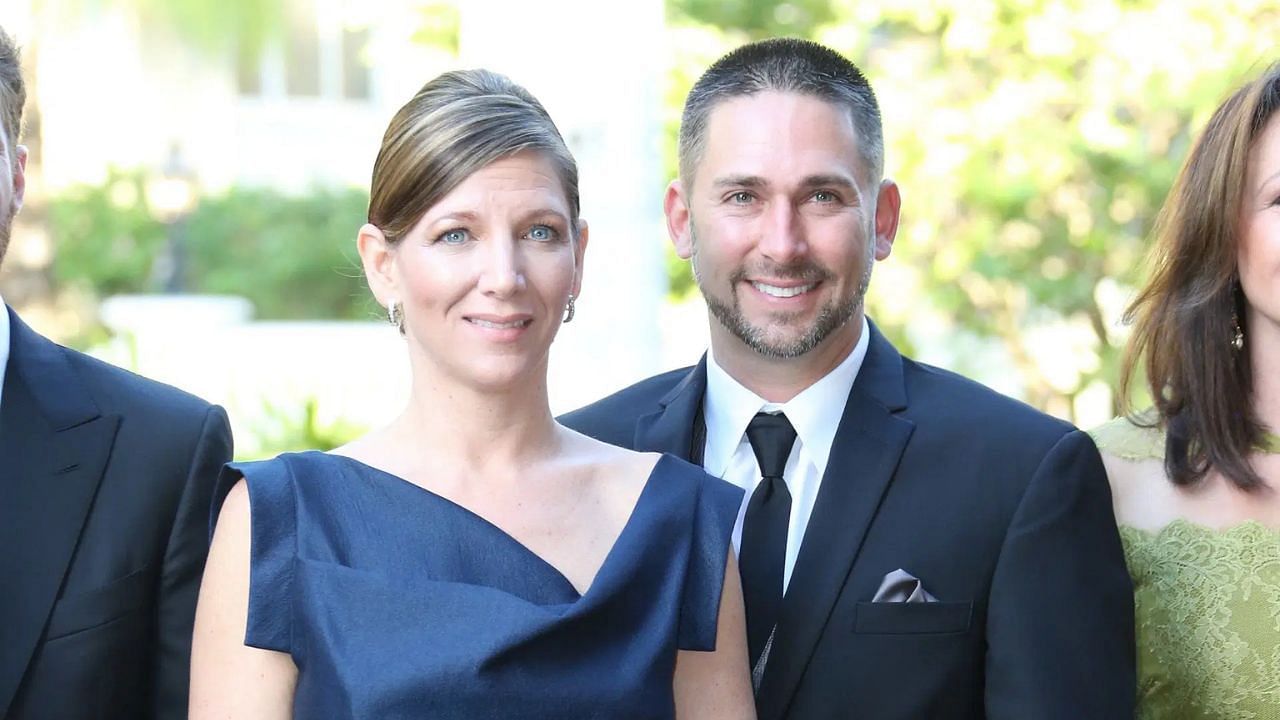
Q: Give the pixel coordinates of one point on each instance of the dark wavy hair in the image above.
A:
(1185, 317)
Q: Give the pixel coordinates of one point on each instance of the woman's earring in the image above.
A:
(1238, 341)
(395, 315)
(568, 311)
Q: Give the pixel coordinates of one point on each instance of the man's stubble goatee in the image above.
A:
(830, 317)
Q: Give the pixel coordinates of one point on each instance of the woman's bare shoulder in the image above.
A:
(1133, 454)
(1136, 439)
(611, 460)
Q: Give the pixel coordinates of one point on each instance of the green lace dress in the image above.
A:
(1207, 607)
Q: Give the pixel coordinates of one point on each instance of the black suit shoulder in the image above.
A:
(166, 435)
(944, 398)
(612, 419)
(120, 391)
(1003, 445)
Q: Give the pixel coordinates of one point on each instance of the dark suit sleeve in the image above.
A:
(179, 583)
(1060, 635)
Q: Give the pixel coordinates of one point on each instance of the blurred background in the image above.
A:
(199, 169)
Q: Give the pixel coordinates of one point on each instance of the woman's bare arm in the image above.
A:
(717, 685)
(228, 678)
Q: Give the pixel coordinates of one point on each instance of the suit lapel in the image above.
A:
(54, 445)
(869, 442)
(677, 426)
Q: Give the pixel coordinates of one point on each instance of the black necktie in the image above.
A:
(764, 529)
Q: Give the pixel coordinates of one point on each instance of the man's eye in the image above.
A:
(740, 198)
(541, 233)
(823, 196)
(453, 237)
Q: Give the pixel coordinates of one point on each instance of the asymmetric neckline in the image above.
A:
(618, 541)
(394, 601)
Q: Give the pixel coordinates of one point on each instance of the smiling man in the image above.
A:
(912, 544)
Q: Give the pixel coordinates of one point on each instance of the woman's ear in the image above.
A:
(378, 256)
(579, 256)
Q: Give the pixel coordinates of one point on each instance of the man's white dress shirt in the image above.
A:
(815, 414)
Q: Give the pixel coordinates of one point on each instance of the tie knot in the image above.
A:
(771, 437)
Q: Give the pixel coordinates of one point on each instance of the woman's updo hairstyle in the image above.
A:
(455, 125)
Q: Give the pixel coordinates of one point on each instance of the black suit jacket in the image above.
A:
(105, 485)
(1002, 512)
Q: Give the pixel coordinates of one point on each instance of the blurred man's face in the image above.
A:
(13, 160)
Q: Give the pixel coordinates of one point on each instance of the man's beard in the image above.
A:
(831, 316)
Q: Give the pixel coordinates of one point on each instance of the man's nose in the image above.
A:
(782, 237)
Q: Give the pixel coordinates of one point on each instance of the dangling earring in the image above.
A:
(1237, 299)
(568, 311)
(395, 315)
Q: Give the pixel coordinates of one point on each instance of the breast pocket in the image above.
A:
(934, 618)
(87, 610)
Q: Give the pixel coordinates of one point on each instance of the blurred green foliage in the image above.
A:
(755, 19)
(1034, 142)
(211, 25)
(297, 428)
(106, 238)
(440, 26)
(292, 256)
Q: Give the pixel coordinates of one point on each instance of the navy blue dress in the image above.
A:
(395, 602)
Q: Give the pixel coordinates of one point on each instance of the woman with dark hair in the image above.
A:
(474, 558)
(1196, 478)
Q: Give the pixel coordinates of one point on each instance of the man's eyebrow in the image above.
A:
(829, 180)
(755, 181)
(740, 181)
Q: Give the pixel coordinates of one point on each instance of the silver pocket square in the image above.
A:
(901, 586)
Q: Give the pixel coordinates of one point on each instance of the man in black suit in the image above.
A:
(913, 544)
(105, 485)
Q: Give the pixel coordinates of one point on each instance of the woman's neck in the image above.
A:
(1263, 346)
(486, 430)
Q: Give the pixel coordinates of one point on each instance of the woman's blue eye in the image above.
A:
(541, 232)
(453, 237)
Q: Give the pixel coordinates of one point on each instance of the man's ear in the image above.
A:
(676, 207)
(378, 256)
(19, 176)
(579, 256)
(888, 206)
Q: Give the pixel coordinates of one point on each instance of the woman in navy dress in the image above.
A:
(473, 559)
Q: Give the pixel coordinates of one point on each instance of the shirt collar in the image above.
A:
(815, 412)
(4, 344)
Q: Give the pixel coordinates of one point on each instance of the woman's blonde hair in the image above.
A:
(455, 125)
